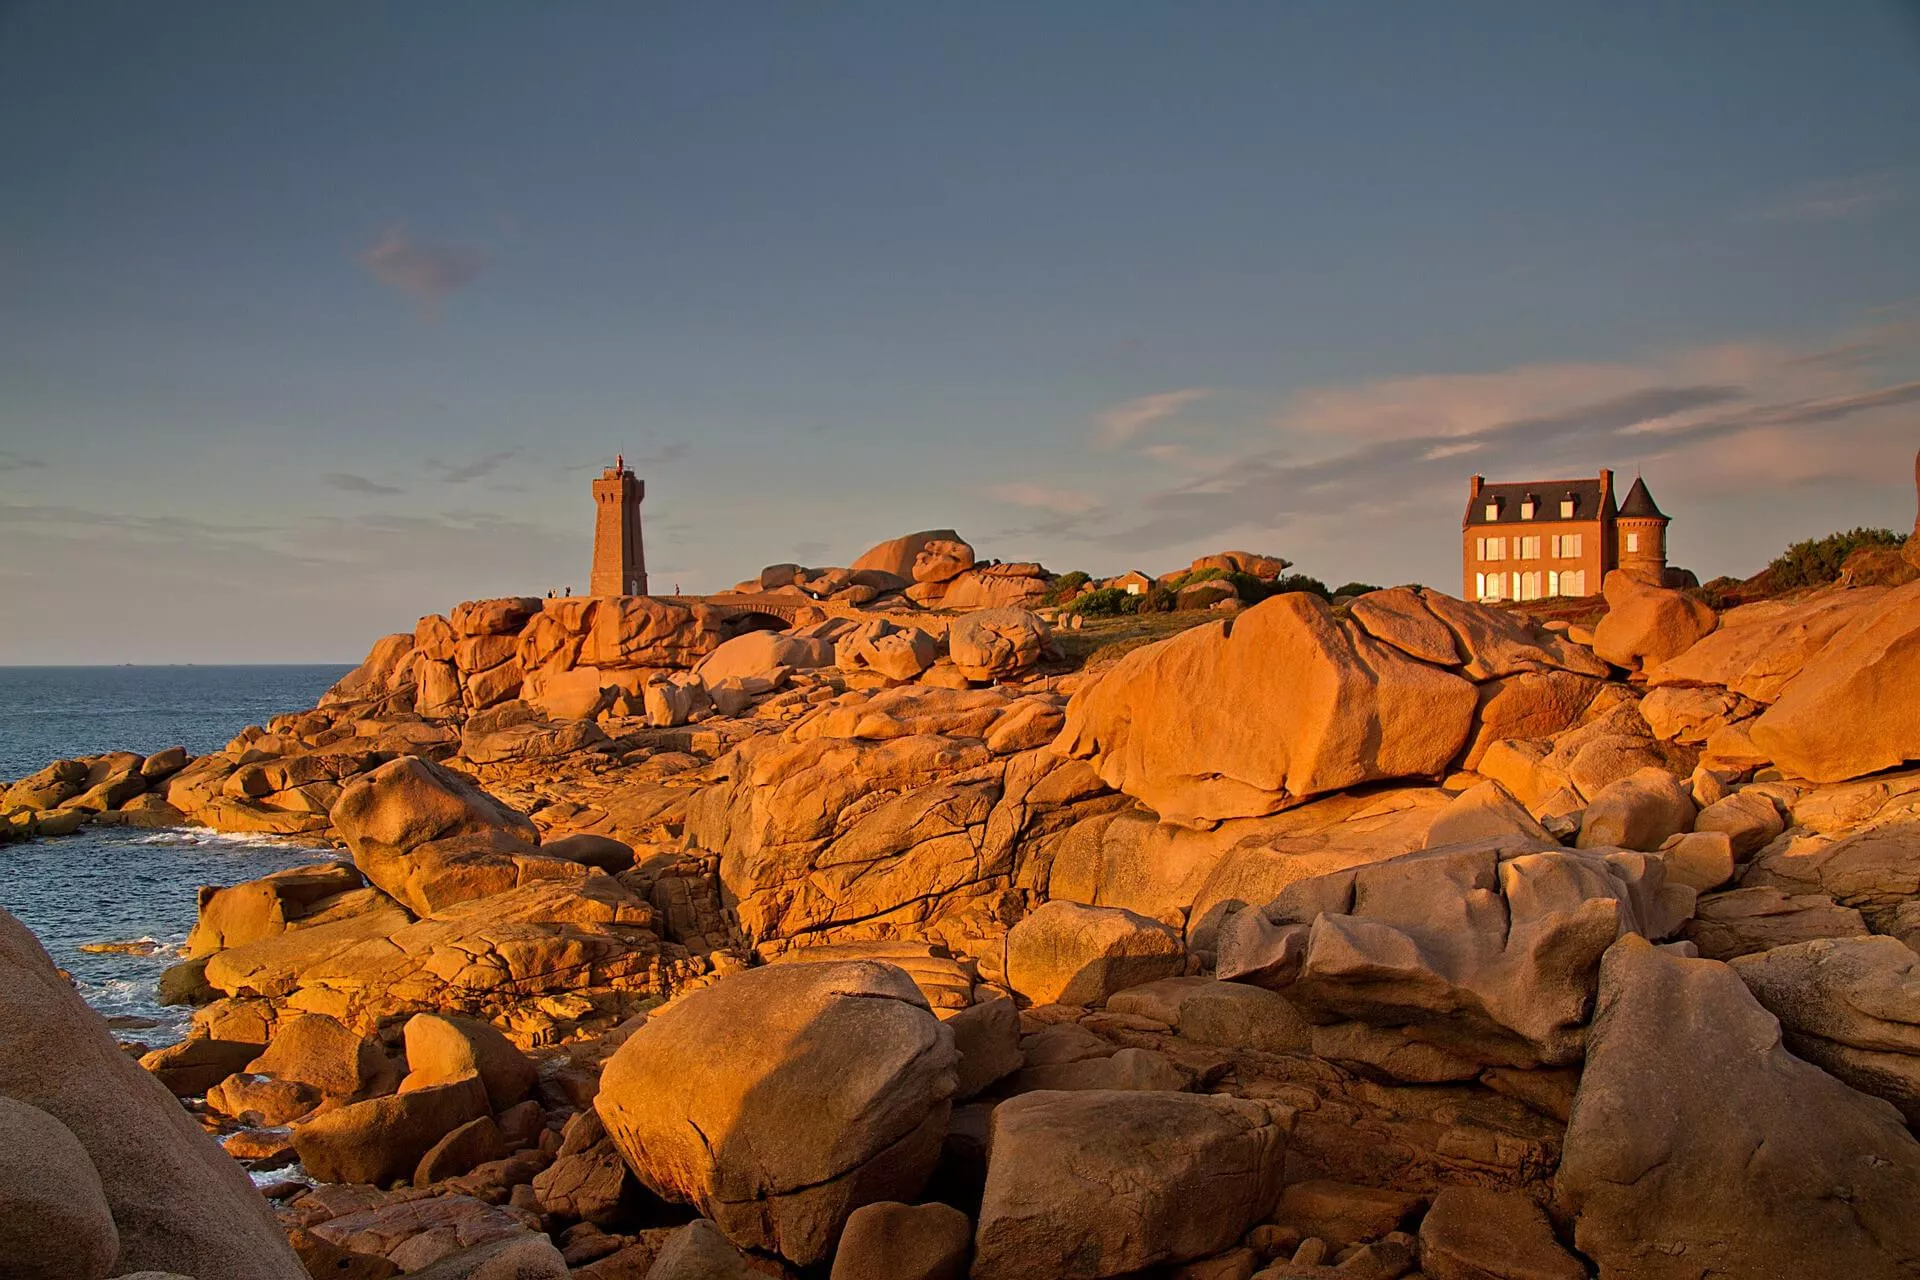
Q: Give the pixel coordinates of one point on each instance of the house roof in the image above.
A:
(1639, 504)
(1589, 502)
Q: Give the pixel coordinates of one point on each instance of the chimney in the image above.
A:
(1474, 486)
(1606, 484)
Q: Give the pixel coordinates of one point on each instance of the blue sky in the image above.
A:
(314, 318)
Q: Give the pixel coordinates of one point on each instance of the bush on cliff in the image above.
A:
(1107, 602)
(1300, 582)
(1817, 561)
(1065, 587)
(1160, 598)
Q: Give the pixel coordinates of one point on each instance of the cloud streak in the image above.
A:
(357, 484)
(425, 272)
(11, 461)
(1688, 424)
(1124, 422)
(1045, 498)
(466, 473)
(1835, 200)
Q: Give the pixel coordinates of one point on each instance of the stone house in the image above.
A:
(1535, 539)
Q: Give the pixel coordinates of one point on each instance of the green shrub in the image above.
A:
(1107, 602)
(1160, 598)
(1251, 589)
(1066, 587)
(1300, 582)
(1817, 561)
(1197, 575)
(1354, 589)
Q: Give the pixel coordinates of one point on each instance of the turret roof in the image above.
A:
(1639, 504)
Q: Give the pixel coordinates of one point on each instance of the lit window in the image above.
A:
(1566, 508)
(1496, 550)
(1480, 586)
(1527, 548)
(1493, 511)
(1633, 542)
(1526, 510)
(1553, 582)
(1574, 583)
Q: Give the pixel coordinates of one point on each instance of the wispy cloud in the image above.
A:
(666, 455)
(1123, 422)
(1834, 200)
(11, 461)
(471, 471)
(422, 271)
(357, 484)
(1045, 498)
(1741, 418)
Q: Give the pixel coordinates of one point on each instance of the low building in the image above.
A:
(1541, 538)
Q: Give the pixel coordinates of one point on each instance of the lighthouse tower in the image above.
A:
(619, 558)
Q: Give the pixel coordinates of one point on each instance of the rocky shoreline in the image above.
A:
(1397, 936)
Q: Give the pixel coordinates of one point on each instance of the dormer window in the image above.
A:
(1493, 510)
(1566, 508)
(1526, 507)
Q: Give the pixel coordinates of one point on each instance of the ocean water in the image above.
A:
(119, 884)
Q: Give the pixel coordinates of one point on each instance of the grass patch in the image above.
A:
(1101, 642)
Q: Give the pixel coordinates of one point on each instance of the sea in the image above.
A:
(120, 884)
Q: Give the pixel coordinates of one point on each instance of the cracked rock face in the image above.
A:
(431, 839)
(1106, 1183)
(1698, 1146)
(1851, 1005)
(1489, 950)
(1289, 701)
(779, 1100)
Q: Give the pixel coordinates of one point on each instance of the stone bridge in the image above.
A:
(769, 611)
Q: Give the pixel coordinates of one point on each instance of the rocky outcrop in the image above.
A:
(1646, 626)
(1070, 953)
(993, 586)
(1475, 1232)
(766, 655)
(1104, 1183)
(1490, 953)
(431, 839)
(1640, 811)
(178, 1202)
(892, 1241)
(889, 812)
(993, 644)
(781, 1099)
(55, 1223)
(589, 937)
(1757, 649)
(1761, 917)
(1851, 1005)
(1699, 1146)
(441, 1050)
(1848, 712)
(898, 654)
(898, 556)
(380, 1140)
(1170, 724)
